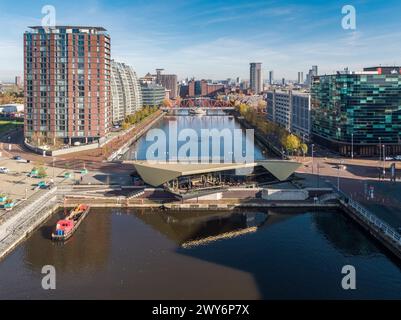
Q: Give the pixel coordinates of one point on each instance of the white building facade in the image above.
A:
(291, 110)
(126, 91)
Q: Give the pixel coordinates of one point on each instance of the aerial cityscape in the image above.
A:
(200, 150)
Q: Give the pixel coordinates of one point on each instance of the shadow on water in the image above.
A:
(254, 242)
(267, 254)
(88, 249)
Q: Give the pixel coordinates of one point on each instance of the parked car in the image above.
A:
(389, 158)
(398, 158)
(17, 158)
(4, 170)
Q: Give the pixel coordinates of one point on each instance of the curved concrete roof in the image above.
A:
(157, 173)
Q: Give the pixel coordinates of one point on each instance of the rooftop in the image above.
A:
(156, 173)
(69, 27)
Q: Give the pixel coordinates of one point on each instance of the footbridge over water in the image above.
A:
(201, 102)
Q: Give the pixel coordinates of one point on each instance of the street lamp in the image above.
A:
(338, 174)
(380, 150)
(312, 157)
(53, 166)
(384, 160)
(352, 146)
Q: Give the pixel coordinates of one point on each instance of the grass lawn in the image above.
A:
(9, 125)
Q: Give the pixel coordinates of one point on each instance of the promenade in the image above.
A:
(356, 179)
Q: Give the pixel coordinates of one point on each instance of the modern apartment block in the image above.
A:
(126, 91)
(358, 112)
(152, 95)
(67, 84)
(168, 81)
(256, 81)
(290, 110)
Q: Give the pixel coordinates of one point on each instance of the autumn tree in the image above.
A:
(304, 148)
(291, 143)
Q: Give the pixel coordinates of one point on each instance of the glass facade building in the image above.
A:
(358, 112)
(153, 95)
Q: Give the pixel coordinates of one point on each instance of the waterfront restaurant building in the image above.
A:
(358, 112)
(186, 179)
(67, 84)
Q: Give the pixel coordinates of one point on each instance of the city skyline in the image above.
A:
(211, 40)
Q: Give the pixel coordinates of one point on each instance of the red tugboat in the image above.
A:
(66, 227)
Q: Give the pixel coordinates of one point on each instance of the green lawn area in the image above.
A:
(9, 125)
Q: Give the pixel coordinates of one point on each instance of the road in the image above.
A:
(75, 161)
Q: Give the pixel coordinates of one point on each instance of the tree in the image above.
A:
(42, 172)
(262, 104)
(291, 143)
(243, 109)
(304, 148)
(167, 103)
(125, 125)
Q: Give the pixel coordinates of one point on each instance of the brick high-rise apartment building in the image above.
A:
(67, 84)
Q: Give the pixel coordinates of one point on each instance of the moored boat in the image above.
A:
(197, 111)
(65, 228)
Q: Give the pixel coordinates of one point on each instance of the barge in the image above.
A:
(65, 228)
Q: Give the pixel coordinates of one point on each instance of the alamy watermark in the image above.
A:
(210, 145)
(349, 20)
(49, 280)
(49, 19)
(348, 282)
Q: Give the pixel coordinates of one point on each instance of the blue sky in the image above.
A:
(217, 39)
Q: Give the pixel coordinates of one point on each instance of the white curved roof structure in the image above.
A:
(157, 173)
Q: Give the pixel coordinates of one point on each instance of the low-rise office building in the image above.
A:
(290, 110)
(153, 95)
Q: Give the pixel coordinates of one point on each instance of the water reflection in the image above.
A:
(188, 229)
(214, 120)
(339, 232)
(87, 250)
(247, 254)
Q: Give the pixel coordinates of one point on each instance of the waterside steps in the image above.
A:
(136, 194)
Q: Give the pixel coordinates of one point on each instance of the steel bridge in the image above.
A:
(201, 102)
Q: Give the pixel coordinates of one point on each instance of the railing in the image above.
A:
(29, 211)
(370, 218)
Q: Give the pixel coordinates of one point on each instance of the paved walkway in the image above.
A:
(356, 180)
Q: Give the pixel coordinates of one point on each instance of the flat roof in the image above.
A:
(69, 27)
(156, 173)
